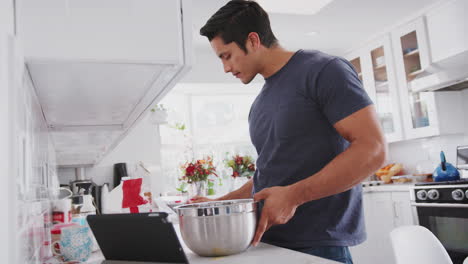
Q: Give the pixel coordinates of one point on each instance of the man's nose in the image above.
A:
(227, 68)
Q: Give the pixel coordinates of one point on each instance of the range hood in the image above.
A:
(450, 74)
(97, 67)
(444, 80)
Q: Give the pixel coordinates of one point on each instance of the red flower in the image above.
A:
(239, 160)
(190, 170)
(251, 167)
(235, 174)
(198, 170)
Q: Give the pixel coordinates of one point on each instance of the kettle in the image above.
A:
(445, 171)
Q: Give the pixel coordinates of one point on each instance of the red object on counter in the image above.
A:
(131, 194)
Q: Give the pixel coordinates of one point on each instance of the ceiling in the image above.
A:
(341, 26)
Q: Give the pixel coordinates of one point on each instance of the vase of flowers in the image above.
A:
(196, 174)
(243, 169)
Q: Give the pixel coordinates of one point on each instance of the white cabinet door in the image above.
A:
(412, 59)
(379, 218)
(447, 27)
(375, 67)
(383, 211)
(362, 63)
(381, 224)
(402, 209)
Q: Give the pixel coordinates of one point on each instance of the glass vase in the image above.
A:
(237, 182)
(198, 188)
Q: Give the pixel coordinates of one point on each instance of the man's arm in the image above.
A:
(244, 192)
(366, 154)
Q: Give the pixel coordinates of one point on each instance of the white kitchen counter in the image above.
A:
(393, 187)
(262, 254)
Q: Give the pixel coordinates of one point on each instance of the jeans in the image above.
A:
(340, 254)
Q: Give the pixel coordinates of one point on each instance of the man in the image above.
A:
(315, 130)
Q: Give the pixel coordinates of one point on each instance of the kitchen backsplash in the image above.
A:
(36, 176)
(413, 152)
(425, 150)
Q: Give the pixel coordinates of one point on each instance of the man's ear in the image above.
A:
(253, 41)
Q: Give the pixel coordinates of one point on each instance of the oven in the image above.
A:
(442, 208)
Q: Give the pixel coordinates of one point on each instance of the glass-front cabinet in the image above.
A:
(388, 67)
(356, 62)
(375, 67)
(412, 61)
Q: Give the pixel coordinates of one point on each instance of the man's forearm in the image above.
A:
(243, 192)
(349, 168)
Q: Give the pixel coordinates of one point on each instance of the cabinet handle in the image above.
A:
(395, 209)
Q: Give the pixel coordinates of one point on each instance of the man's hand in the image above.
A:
(200, 199)
(278, 208)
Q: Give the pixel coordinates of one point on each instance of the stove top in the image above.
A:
(458, 182)
(454, 192)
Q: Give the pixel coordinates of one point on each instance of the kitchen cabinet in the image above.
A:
(424, 114)
(107, 30)
(391, 69)
(375, 67)
(403, 214)
(447, 26)
(383, 211)
(98, 66)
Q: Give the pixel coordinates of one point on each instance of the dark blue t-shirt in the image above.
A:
(291, 126)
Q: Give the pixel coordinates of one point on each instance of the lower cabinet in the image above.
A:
(383, 211)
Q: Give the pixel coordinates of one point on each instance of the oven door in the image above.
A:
(449, 223)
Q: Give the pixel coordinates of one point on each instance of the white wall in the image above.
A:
(6, 219)
(465, 110)
(4, 149)
(6, 17)
(30, 180)
(141, 144)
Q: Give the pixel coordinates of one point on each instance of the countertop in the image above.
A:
(263, 253)
(392, 187)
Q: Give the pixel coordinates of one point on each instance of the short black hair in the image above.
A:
(235, 20)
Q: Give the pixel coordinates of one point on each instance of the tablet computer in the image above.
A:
(148, 237)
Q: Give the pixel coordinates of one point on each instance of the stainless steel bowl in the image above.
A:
(218, 228)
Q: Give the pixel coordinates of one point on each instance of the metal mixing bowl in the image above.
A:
(218, 228)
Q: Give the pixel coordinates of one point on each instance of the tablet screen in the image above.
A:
(137, 237)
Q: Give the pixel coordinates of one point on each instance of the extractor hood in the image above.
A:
(98, 66)
(447, 75)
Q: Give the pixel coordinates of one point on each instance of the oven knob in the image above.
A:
(458, 195)
(421, 195)
(466, 194)
(433, 194)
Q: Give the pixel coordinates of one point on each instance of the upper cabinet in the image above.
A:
(389, 67)
(412, 60)
(411, 49)
(97, 66)
(422, 112)
(107, 30)
(447, 27)
(375, 68)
